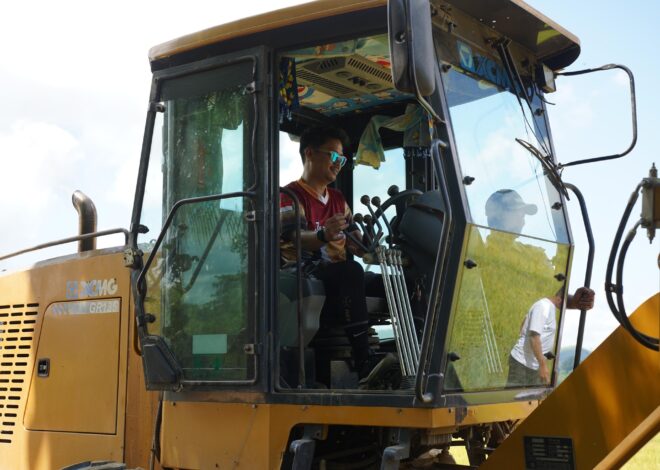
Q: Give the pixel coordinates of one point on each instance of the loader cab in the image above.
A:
(472, 226)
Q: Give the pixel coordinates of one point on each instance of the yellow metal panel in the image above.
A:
(80, 392)
(141, 410)
(602, 402)
(199, 435)
(54, 450)
(265, 22)
(327, 8)
(632, 443)
(42, 285)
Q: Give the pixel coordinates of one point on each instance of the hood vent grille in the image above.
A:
(17, 325)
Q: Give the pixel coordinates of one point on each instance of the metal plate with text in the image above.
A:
(549, 453)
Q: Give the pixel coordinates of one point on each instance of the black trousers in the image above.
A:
(345, 303)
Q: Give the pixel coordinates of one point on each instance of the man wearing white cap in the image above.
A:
(506, 211)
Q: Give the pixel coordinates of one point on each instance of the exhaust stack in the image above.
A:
(86, 219)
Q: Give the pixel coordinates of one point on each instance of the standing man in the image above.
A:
(536, 342)
(324, 219)
(506, 211)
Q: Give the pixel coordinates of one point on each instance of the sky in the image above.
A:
(74, 85)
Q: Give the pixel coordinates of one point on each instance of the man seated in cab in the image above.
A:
(325, 219)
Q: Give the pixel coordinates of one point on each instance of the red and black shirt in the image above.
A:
(315, 209)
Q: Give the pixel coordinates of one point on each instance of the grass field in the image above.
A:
(648, 458)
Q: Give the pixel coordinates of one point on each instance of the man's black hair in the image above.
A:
(317, 136)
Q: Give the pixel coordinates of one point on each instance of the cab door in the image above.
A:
(199, 292)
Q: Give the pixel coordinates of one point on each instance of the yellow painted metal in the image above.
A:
(255, 436)
(605, 400)
(141, 409)
(61, 401)
(632, 443)
(40, 287)
(276, 19)
(319, 9)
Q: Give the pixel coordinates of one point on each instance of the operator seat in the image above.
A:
(313, 297)
(325, 343)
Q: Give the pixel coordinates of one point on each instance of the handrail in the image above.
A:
(587, 276)
(633, 106)
(438, 276)
(63, 241)
(301, 330)
(180, 203)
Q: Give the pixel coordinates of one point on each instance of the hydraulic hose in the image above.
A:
(618, 309)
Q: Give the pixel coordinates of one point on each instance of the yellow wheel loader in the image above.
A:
(193, 346)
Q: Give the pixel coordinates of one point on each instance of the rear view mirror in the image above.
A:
(411, 46)
(604, 97)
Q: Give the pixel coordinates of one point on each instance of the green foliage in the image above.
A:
(202, 281)
(198, 285)
(493, 300)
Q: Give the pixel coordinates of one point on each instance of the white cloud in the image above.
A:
(41, 159)
(41, 163)
(290, 163)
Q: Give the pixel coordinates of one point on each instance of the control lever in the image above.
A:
(351, 228)
(369, 225)
(360, 221)
(366, 200)
(376, 202)
(393, 190)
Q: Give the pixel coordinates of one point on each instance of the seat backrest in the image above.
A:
(420, 230)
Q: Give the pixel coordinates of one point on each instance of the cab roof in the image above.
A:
(550, 43)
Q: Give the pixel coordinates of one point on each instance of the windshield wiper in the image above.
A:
(502, 47)
(550, 168)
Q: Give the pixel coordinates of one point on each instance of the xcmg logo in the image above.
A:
(95, 288)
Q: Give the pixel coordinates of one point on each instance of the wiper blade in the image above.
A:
(516, 81)
(550, 169)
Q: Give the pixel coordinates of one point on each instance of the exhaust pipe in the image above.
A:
(86, 219)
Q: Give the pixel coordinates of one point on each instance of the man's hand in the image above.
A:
(333, 227)
(544, 374)
(583, 299)
(352, 246)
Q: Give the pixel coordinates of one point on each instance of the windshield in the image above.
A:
(488, 122)
(516, 255)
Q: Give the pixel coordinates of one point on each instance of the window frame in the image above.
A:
(259, 56)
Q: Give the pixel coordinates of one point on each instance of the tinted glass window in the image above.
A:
(199, 281)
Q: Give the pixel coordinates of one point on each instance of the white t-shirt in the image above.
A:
(540, 319)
